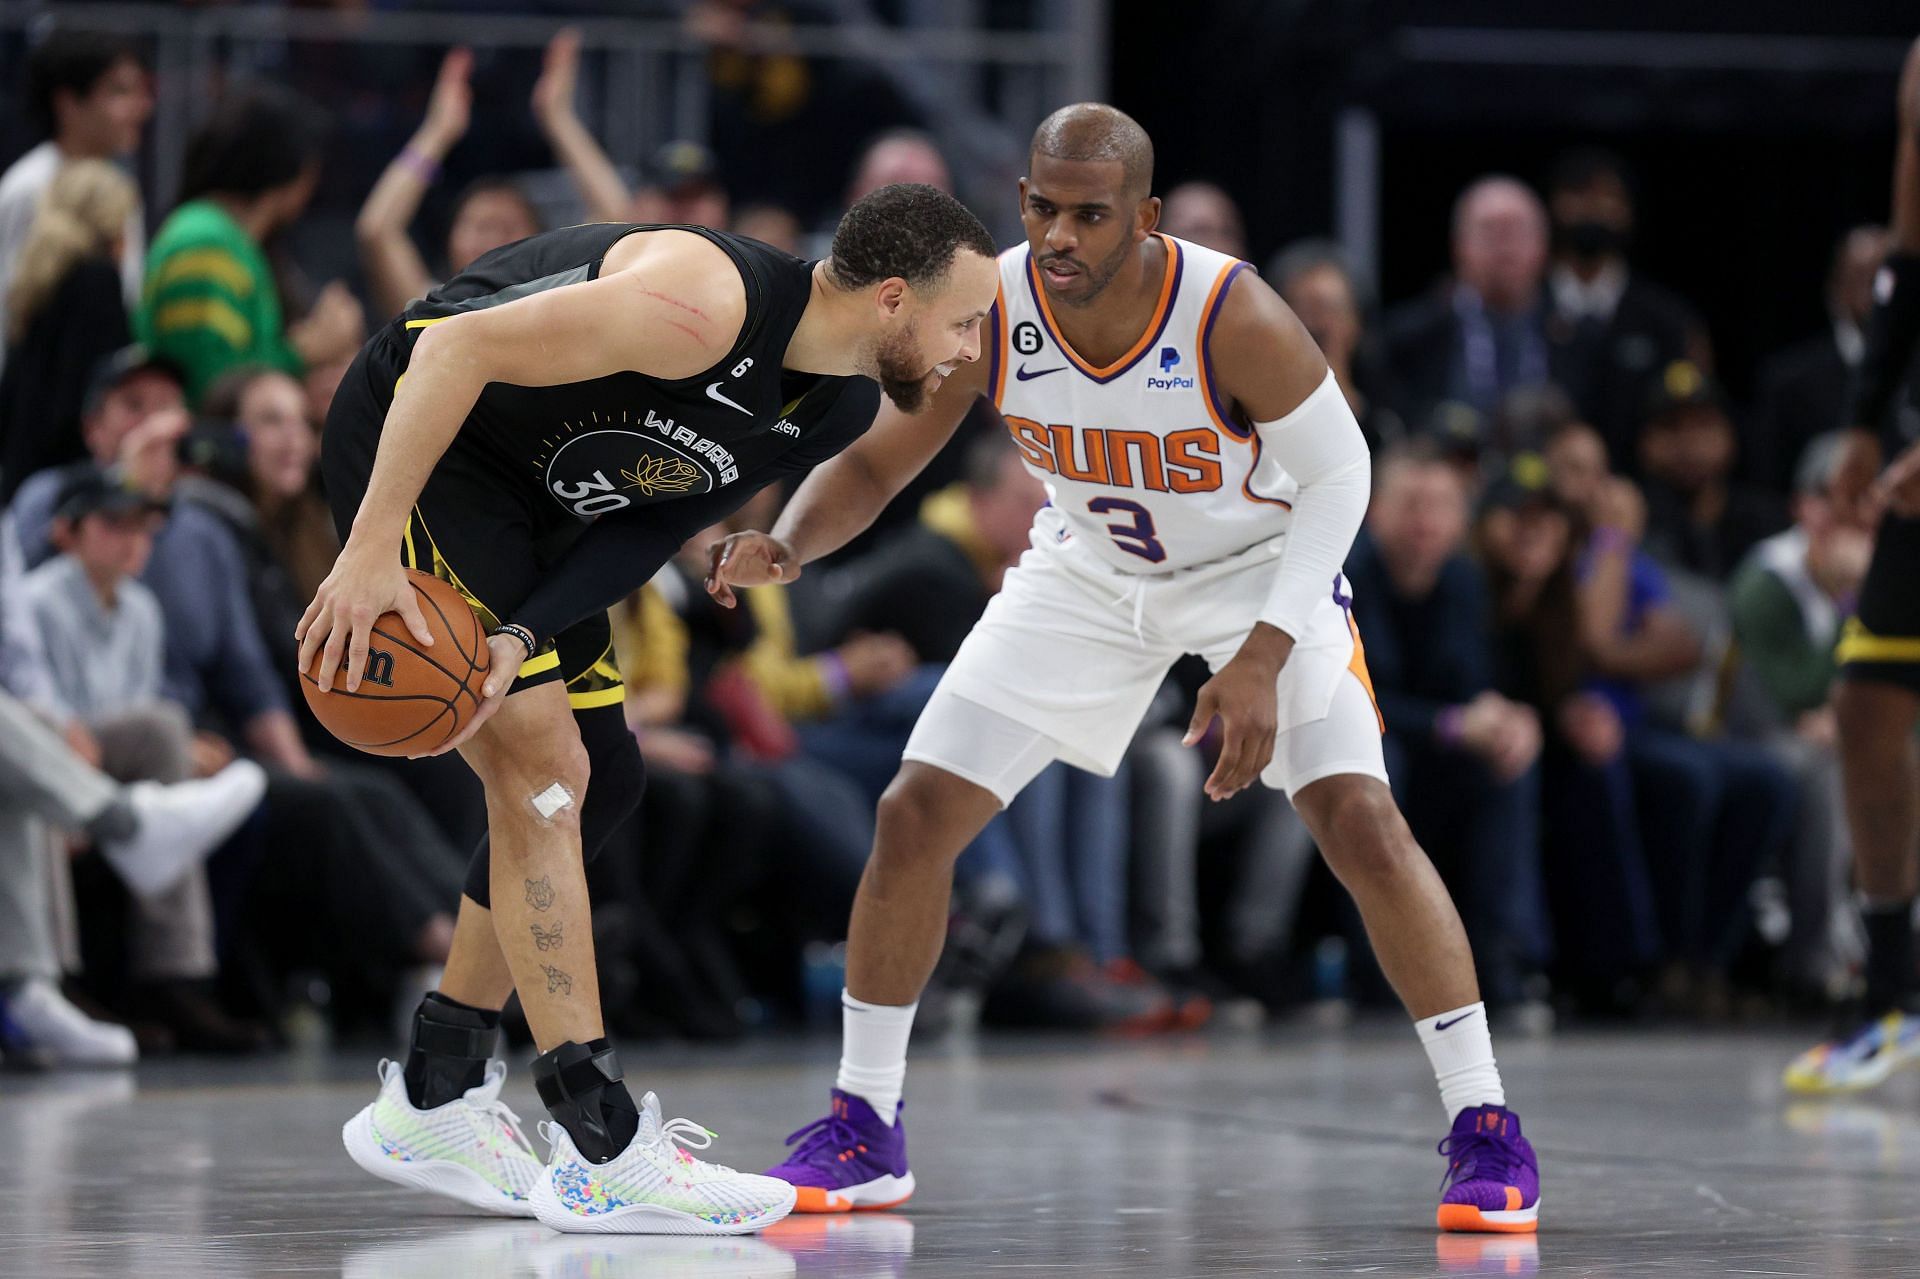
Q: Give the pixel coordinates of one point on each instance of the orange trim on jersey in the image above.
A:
(1358, 665)
(1155, 326)
(997, 375)
(1227, 273)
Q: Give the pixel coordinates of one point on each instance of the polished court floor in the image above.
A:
(1295, 1152)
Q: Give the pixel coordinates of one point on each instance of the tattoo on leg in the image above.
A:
(548, 938)
(557, 981)
(540, 893)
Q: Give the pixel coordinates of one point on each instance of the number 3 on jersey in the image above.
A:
(1136, 538)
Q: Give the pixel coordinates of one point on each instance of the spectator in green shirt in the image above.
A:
(1788, 599)
(210, 302)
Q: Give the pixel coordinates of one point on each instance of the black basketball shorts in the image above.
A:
(1881, 641)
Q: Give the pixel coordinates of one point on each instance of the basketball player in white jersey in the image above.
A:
(1206, 479)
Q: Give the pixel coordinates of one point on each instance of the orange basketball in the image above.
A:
(411, 700)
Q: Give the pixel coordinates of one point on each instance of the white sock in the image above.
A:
(1461, 1051)
(873, 1052)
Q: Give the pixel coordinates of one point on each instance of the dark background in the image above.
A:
(1746, 175)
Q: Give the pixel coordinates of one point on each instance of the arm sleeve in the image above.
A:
(1320, 445)
(618, 553)
(1892, 333)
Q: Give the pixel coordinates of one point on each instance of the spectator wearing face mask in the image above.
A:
(1613, 330)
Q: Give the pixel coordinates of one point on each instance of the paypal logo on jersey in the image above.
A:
(1169, 381)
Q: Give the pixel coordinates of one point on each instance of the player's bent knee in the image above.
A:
(1358, 827)
(927, 812)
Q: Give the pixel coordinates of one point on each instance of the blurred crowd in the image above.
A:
(1598, 600)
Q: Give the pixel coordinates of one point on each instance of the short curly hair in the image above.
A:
(907, 230)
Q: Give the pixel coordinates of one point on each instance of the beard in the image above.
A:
(1099, 274)
(901, 369)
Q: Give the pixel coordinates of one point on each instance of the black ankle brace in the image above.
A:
(582, 1087)
(448, 1052)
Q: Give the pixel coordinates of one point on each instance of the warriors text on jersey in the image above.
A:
(1145, 461)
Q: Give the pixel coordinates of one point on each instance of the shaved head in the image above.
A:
(1094, 131)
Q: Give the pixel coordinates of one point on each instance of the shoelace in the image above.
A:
(504, 1113)
(1476, 1156)
(823, 1139)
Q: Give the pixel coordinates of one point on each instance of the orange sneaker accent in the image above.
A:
(1466, 1217)
(1513, 1199)
(818, 1199)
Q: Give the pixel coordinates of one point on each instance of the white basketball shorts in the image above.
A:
(1068, 656)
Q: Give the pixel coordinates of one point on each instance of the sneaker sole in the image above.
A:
(435, 1176)
(1467, 1219)
(877, 1195)
(1814, 1086)
(639, 1219)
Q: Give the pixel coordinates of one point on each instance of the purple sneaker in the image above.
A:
(848, 1160)
(1493, 1179)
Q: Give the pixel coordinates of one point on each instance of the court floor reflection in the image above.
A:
(1300, 1152)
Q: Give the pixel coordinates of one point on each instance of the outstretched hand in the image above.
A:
(559, 73)
(748, 559)
(450, 107)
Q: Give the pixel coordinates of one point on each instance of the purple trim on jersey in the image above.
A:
(1246, 485)
(993, 353)
(1223, 410)
(1173, 299)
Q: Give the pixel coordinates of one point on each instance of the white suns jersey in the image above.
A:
(1145, 464)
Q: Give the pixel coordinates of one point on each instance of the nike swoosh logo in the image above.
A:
(1442, 1025)
(713, 393)
(1024, 376)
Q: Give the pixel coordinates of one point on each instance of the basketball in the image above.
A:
(411, 700)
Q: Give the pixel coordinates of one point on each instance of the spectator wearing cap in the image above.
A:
(1313, 277)
(1788, 599)
(103, 637)
(210, 300)
(1613, 330)
(1484, 333)
(90, 95)
(1699, 517)
(64, 313)
(1460, 753)
(1205, 214)
(683, 186)
(1803, 389)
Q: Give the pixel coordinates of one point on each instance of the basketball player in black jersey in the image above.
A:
(543, 432)
(1877, 701)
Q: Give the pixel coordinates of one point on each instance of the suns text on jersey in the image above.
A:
(1178, 462)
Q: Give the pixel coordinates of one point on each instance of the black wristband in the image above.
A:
(520, 633)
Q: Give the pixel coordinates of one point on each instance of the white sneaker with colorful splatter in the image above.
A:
(471, 1149)
(654, 1187)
